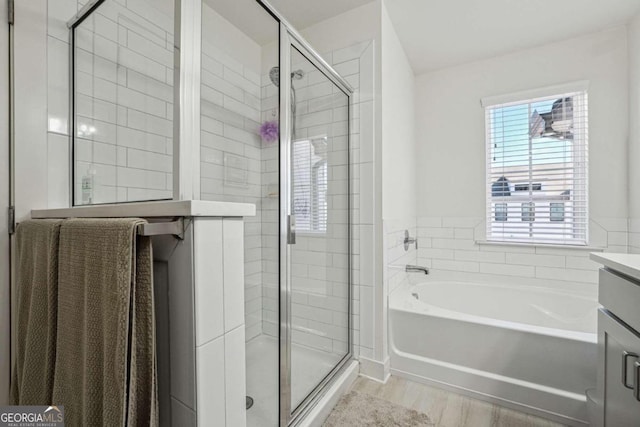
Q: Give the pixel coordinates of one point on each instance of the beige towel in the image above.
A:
(36, 309)
(105, 371)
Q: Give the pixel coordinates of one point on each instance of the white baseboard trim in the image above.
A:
(375, 369)
(318, 415)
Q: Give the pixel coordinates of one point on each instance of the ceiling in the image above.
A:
(443, 33)
(304, 13)
(249, 17)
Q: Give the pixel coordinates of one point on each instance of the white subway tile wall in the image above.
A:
(397, 258)
(362, 193)
(320, 265)
(320, 274)
(634, 235)
(231, 148)
(124, 101)
(453, 247)
(131, 147)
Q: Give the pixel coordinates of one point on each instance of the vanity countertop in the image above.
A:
(164, 208)
(628, 264)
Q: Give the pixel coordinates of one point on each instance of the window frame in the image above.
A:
(577, 201)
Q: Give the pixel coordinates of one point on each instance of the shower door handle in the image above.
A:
(291, 233)
(636, 381)
(625, 362)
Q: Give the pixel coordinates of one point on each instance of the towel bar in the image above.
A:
(160, 228)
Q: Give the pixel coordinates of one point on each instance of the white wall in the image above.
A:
(634, 135)
(451, 131)
(451, 158)
(398, 163)
(398, 127)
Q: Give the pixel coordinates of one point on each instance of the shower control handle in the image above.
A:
(408, 240)
(291, 233)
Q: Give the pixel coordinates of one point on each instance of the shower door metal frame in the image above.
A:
(290, 39)
(187, 50)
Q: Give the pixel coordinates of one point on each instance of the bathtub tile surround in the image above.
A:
(397, 258)
(454, 247)
(634, 236)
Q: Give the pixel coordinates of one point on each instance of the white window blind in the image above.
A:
(310, 183)
(537, 170)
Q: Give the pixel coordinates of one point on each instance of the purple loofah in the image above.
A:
(269, 131)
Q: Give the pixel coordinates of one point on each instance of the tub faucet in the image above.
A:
(416, 269)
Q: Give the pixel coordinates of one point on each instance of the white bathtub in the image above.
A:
(531, 349)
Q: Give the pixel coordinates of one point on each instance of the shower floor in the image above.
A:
(309, 366)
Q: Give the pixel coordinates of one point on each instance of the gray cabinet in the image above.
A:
(620, 368)
(619, 351)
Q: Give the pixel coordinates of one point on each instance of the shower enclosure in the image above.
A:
(222, 100)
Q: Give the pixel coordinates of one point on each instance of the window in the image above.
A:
(310, 183)
(528, 212)
(557, 211)
(537, 168)
(501, 212)
(527, 187)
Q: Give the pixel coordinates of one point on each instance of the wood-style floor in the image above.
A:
(448, 409)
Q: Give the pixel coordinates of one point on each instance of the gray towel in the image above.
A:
(105, 371)
(36, 311)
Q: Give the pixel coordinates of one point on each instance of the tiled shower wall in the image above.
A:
(134, 117)
(319, 320)
(124, 83)
(231, 147)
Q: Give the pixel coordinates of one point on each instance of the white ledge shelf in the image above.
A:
(540, 245)
(627, 264)
(165, 208)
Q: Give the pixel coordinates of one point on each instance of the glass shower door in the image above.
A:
(318, 289)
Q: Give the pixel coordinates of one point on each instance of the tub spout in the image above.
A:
(416, 269)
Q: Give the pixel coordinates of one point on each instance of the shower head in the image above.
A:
(274, 75)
